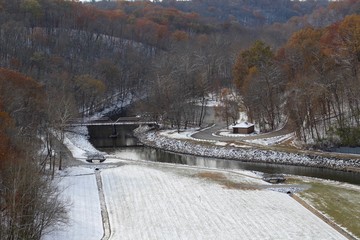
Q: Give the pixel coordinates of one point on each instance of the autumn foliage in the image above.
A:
(5, 126)
(316, 73)
(29, 203)
(21, 103)
(22, 99)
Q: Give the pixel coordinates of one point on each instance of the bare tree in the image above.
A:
(30, 204)
(229, 106)
(29, 200)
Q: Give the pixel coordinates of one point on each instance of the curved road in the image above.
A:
(212, 133)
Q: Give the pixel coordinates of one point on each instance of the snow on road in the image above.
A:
(79, 187)
(148, 203)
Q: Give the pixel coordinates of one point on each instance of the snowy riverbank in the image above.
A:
(156, 140)
(129, 199)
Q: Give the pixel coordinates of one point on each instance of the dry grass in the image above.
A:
(215, 176)
(222, 180)
(341, 204)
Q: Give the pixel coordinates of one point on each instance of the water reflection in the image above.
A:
(157, 155)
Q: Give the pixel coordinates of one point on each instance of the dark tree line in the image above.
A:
(249, 13)
(99, 56)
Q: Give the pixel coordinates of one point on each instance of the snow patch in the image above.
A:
(272, 140)
(76, 140)
(183, 134)
(80, 188)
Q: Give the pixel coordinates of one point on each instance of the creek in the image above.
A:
(157, 155)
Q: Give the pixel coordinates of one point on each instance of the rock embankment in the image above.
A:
(152, 139)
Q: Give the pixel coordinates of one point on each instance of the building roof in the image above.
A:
(242, 125)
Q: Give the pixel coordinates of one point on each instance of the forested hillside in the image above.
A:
(286, 61)
(312, 80)
(249, 13)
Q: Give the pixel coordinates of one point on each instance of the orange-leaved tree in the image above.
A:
(29, 202)
(258, 78)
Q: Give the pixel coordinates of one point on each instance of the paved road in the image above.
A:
(212, 133)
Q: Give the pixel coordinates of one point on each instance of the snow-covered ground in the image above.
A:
(160, 201)
(186, 134)
(80, 190)
(271, 140)
(146, 200)
(149, 201)
(76, 140)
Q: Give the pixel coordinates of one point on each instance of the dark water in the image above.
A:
(156, 155)
(112, 136)
(350, 150)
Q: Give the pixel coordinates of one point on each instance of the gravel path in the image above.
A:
(104, 212)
